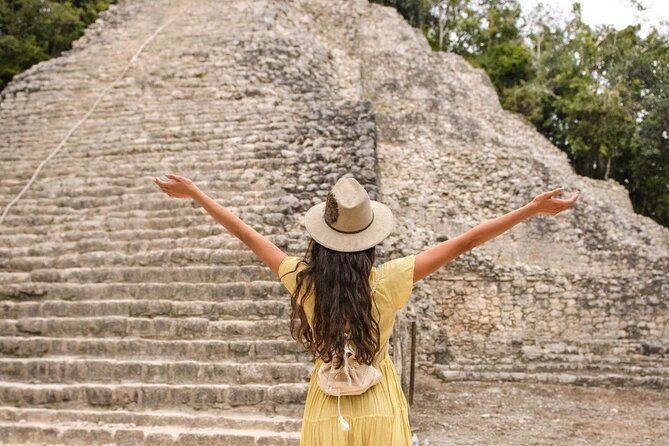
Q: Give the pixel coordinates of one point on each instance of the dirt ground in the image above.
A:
(506, 413)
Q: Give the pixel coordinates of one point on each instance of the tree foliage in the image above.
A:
(599, 94)
(35, 30)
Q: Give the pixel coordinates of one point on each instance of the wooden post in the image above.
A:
(412, 370)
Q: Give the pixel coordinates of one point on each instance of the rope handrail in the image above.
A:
(88, 113)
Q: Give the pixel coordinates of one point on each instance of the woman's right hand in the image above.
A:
(546, 203)
(177, 186)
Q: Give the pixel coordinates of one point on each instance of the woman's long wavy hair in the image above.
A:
(342, 301)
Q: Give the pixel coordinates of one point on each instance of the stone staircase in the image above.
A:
(614, 363)
(127, 316)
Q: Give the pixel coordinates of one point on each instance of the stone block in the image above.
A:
(85, 437)
(154, 397)
(128, 437)
(202, 397)
(186, 372)
(100, 396)
(158, 439)
(245, 395)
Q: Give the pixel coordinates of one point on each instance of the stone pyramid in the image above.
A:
(128, 317)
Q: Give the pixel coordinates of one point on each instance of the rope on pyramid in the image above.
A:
(88, 113)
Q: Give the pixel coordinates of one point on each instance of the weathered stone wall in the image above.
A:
(582, 295)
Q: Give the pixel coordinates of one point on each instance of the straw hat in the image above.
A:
(348, 220)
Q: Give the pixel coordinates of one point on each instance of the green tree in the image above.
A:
(416, 12)
(599, 94)
(35, 30)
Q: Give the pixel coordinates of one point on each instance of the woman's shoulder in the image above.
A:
(288, 269)
(397, 263)
(290, 264)
(395, 279)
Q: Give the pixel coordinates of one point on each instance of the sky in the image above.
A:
(618, 13)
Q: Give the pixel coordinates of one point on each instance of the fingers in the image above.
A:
(573, 197)
(160, 182)
(163, 185)
(557, 192)
(549, 193)
(569, 201)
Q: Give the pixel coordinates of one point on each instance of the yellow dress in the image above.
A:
(378, 417)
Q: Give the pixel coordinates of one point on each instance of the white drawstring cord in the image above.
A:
(81, 121)
(342, 421)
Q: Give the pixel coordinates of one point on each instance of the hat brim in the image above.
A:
(319, 230)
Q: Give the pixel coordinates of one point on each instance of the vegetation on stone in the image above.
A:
(36, 30)
(599, 94)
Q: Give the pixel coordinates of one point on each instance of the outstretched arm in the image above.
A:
(181, 187)
(435, 257)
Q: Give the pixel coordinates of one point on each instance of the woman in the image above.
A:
(339, 296)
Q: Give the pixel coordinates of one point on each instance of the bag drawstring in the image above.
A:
(342, 422)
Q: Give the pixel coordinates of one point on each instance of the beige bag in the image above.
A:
(350, 378)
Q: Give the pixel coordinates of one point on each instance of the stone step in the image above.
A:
(134, 189)
(253, 140)
(186, 273)
(66, 369)
(236, 309)
(221, 128)
(72, 186)
(145, 168)
(225, 143)
(168, 420)
(117, 347)
(241, 169)
(208, 138)
(153, 204)
(146, 328)
(582, 350)
(631, 357)
(99, 258)
(556, 375)
(201, 228)
(160, 208)
(220, 144)
(214, 238)
(55, 214)
(633, 365)
(175, 291)
(239, 418)
(152, 396)
(116, 229)
(272, 219)
(246, 179)
(156, 208)
(82, 433)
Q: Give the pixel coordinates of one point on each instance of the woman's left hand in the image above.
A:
(177, 186)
